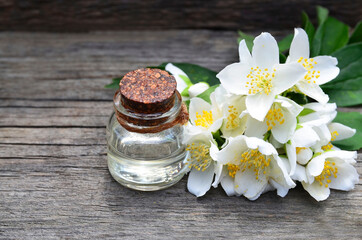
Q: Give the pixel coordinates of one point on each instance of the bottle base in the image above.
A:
(147, 175)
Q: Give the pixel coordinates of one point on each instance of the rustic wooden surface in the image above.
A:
(54, 181)
(85, 15)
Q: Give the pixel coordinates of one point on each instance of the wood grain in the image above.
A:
(86, 15)
(54, 181)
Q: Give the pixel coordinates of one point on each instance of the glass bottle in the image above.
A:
(145, 134)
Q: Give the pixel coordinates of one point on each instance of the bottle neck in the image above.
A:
(150, 122)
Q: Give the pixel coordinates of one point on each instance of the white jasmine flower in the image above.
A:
(321, 122)
(202, 165)
(330, 170)
(253, 165)
(230, 106)
(260, 76)
(320, 69)
(298, 148)
(281, 119)
(205, 119)
(338, 132)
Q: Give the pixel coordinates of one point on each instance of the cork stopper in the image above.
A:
(147, 90)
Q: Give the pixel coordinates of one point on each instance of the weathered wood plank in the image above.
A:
(85, 15)
(96, 114)
(53, 136)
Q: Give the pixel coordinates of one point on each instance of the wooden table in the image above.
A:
(54, 181)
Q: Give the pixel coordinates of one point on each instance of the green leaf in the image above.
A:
(185, 92)
(284, 44)
(206, 94)
(357, 34)
(162, 66)
(305, 111)
(335, 36)
(322, 14)
(282, 58)
(218, 138)
(353, 120)
(330, 36)
(346, 89)
(308, 27)
(248, 39)
(297, 97)
(114, 84)
(345, 94)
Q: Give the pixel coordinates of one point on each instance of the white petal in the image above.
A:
(255, 128)
(283, 132)
(264, 147)
(213, 151)
(247, 184)
(265, 51)
(220, 173)
(327, 66)
(233, 78)
(216, 125)
(343, 131)
(317, 191)
(194, 133)
(198, 88)
(312, 90)
(321, 108)
(305, 137)
(286, 76)
(176, 72)
(347, 177)
(259, 104)
(220, 97)
(244, 53)
(304, 156)
(232, 150)
(292, 157)
(199, 182)
(344, 156)
(316, 166)
(281, 190)
(279, 172)
(323, 133)
(299, 46)
(289, 104)
(299, 174)
(227, 183)
(197, 105)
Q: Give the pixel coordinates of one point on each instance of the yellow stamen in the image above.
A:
(205, 120)
(199, 156)
(232, 120)
(251, 159)
(329, 146)
(274, 115)
(260, 81)
(309, 64)
(328, 171)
